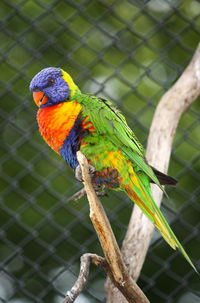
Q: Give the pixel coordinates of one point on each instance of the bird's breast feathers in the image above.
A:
(56, 121)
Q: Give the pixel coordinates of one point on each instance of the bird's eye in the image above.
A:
(51, 82)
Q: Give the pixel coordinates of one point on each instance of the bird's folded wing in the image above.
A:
(108, 121)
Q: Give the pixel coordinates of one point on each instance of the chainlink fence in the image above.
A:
(130, 52)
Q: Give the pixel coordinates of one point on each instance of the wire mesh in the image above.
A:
(130, 52)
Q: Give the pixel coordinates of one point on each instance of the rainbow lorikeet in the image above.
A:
(70, 121)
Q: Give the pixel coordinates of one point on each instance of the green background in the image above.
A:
(130, 52)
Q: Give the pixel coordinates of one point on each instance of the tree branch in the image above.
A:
(117, 270)
(82, 192)
(81, 281)
(166, 118)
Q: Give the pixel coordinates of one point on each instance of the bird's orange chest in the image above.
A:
(56, 121)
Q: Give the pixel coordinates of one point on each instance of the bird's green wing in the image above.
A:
(108, 120)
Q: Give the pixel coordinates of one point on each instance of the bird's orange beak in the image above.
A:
(39, 98)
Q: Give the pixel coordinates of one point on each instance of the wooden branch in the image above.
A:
(166, 118)
(81, 281)
(82, 192)
(117, 269)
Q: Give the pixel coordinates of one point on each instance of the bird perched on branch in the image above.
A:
(70, 121)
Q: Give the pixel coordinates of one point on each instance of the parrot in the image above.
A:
(70, 120)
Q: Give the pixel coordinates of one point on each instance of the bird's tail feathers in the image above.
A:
(139, 191)
(163, 178)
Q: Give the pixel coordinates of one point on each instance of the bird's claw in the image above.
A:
(78, 172)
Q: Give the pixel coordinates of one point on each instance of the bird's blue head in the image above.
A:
(52, 86)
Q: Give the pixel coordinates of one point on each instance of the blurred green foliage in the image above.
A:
(130, 52)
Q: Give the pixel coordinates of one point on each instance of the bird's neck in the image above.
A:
(56, 121)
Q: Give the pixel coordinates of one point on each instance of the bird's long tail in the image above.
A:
(138, 189)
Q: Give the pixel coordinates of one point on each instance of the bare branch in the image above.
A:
(78, 195)
(117, 269)
(166, 118)
(81, 193)
(81, 281)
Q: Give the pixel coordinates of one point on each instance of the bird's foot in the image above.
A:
(78, 172)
